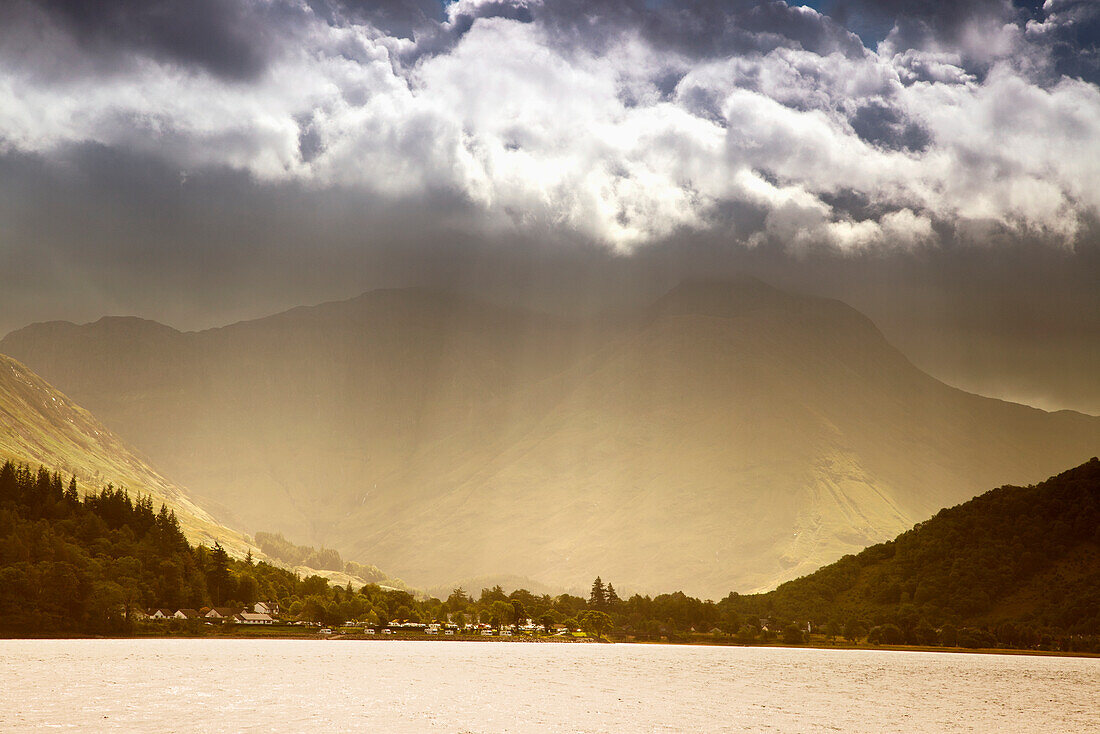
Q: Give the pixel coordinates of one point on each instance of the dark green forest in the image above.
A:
(89, 563)
(1017, 567)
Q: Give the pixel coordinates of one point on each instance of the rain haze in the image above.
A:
(936, 164)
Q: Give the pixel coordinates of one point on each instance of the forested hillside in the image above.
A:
(76, 563)
(1014, 562)
(1017, 567)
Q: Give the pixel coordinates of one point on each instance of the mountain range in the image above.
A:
(729, 436)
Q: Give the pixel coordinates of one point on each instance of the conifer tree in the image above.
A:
(598, 598)
(70, 494)
(612, 599)
(217, 575)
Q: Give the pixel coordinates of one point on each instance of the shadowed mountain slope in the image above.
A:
(730, 436)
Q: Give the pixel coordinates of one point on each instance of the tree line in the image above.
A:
(1016, 567)
(89, 563)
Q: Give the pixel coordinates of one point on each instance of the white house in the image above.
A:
(266, 607)
(253, 618)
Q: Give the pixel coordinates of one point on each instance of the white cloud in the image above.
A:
(536, 132)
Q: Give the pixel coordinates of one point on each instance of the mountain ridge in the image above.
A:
(731, 434)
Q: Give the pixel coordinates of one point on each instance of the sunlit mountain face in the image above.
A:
(728, 435)
(704, 291)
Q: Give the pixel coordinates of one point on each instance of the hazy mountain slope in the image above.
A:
(1027, 555)
(718, 440)
(731, 436)
(41, 426)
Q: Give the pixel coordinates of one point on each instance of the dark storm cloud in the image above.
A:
(199, 162)
(125, 235)
(880, 124)
(919, 21)
(98, 228)
(1068, 31)
(696, 30)
(1071, 29)
(605, 117)
(230, 38)
(399, 18)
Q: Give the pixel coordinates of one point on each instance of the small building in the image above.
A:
(221, 613)
(187, 614)
(160, 614)
(253, 618)
(266, 607)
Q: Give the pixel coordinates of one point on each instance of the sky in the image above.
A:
(934, 163)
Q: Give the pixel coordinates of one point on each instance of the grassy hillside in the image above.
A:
(1023, 556)
(39, 425)
(729, 436)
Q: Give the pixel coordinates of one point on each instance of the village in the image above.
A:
(267, 614)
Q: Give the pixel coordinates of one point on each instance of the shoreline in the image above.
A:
(559, 641)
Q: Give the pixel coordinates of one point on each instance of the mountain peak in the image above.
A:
(732, 436)
(723, 298)
(132, 327)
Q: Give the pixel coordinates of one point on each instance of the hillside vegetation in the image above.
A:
(1016, 560)
(41, 425)
(325, 559)
(1017, 567)
(78, 561)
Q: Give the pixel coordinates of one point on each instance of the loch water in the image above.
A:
(204, 685)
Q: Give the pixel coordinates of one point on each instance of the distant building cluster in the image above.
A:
(262, 613)
(267, 613)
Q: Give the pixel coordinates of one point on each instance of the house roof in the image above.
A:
(255, 617)
(188, 612)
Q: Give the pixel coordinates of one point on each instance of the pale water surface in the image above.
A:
(391, 686)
